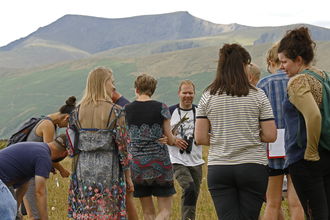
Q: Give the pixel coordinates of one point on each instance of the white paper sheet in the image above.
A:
(276, 149)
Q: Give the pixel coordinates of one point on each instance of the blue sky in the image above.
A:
(19, 18)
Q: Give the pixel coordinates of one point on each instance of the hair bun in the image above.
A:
(226, 49)
(71, 100)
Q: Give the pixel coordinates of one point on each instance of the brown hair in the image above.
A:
(187, 82)
(146, 84)
(230, 76)
(70, 104)
(298, 42)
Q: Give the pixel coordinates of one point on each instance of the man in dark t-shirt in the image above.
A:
(22, 161)
(119, 99)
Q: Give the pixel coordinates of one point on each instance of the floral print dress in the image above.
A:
(97, 184)
(151, 165)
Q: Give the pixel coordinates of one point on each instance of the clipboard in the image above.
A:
(276, 149)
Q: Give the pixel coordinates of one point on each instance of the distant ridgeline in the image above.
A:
(40, 71)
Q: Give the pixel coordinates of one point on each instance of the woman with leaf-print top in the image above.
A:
(307, 158)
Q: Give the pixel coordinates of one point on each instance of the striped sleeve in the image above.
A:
(201, 110)
(266, 111)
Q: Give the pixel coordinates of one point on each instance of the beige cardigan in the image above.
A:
(305, 93)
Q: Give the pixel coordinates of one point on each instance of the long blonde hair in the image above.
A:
(95, 86)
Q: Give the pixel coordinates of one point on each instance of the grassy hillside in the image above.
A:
(244, 37)
(42, 90)
(37, 52)
(57, 196)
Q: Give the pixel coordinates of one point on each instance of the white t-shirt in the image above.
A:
(187, 129)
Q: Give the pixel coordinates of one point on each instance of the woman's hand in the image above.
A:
(180, 143)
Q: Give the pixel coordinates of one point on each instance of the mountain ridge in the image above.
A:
(105, 33)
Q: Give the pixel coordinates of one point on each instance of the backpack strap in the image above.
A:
(299, 142)
(77, 117)
(317, 76)
(110, 115)
(325, 83)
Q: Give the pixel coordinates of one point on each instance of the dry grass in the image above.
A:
(58, 197)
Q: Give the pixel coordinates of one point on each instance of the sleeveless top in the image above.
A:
(97, 185)
(33, 134)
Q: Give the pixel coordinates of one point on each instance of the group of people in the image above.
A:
(122, 150)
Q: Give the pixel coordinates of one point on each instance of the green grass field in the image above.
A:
(58, 197)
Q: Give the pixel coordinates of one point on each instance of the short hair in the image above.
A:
(273, 55)
(296, 43)
(145, 84)
(186, 82)
(61, 142)
(95, 86)
(254, 71)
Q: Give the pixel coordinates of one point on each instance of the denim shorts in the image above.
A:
(158, 191)
(8, 205)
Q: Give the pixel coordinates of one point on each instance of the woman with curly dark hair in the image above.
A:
(306, 155)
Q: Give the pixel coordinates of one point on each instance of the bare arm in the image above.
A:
(268, 133)
(46, 129)
(41, 199)
(129, 183)
(202, 136)
(20, 192)
(64, 172)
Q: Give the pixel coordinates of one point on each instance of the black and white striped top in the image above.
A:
(235, 128)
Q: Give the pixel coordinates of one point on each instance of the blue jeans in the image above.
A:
(8, 205)
(238, 191)
(311, 181)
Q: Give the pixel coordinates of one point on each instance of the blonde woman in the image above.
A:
(101, 173)
(274, 87)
